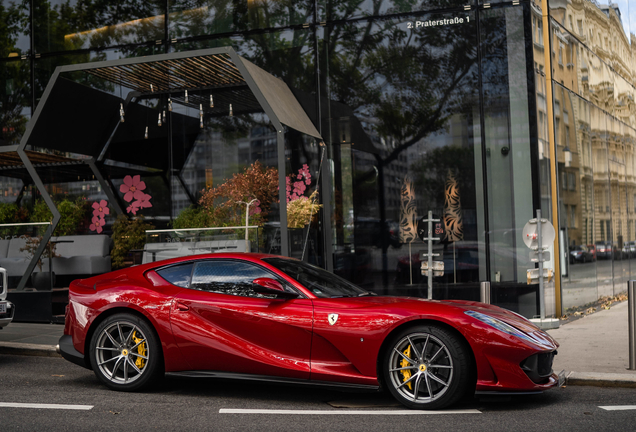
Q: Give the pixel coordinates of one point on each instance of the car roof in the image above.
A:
(247, 256)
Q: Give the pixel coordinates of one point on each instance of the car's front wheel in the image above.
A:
(426, 367)
(125, 353)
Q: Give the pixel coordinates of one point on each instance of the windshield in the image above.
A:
(318, 281)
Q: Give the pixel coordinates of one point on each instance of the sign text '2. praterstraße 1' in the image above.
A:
(438, 22)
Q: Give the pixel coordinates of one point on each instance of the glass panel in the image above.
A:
(305, 158)
(404, 140)
(15, 105)
(231, 146)
(506, 120)
(618, 203)
(188, 18)
(602, 196)
(14, 35)
(576, 201)
(335, 10)
(59, 26)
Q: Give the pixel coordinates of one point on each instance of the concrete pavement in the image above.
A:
(593, 351)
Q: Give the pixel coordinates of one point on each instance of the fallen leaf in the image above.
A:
(114, 412)
(57, 375)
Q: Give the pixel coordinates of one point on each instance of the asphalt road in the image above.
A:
(181, 404)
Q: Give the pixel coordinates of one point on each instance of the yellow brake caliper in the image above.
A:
(406, 374)
(141, 350)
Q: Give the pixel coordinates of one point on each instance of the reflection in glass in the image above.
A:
(58, 27)
(14, 35)
(406, 92)
(211, 17)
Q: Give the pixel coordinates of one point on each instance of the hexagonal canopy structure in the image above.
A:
(83, 119)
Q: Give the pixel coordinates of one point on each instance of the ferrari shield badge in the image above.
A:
(332, 318)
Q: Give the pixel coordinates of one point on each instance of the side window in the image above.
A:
(228, 277)
(178, 275)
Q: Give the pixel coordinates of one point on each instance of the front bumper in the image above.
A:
(68, 351)
(7, 317)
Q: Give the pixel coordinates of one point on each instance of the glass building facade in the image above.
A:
(424, 106)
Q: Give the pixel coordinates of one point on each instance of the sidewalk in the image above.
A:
(593, 351)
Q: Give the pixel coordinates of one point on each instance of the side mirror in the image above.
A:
(271, 287)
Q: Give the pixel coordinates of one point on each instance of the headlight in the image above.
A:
(500, 325)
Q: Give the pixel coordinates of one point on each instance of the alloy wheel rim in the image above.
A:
(421, 368)
(122, 352)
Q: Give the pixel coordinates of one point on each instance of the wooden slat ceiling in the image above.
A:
(204, 75)
(11, 160)
(212, 71)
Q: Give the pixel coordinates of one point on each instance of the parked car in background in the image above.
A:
(580, 254)
(604, 250)
(6, 308)
(629, 249)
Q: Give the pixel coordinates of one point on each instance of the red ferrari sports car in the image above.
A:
(266, 317)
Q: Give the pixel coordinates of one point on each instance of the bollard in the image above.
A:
(484, 292)
(631, 317)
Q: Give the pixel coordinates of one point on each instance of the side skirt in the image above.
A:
(267, 378)
(507, 393)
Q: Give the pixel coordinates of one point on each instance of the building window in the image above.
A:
(602, 224)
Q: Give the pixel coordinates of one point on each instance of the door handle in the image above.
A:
(182, 307)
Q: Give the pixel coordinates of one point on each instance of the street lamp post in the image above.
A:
(247, 220)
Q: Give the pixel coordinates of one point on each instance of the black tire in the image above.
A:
(413, 382)
(125, 353)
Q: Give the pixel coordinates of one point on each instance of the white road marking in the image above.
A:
(44, 406)
(618, 407)
(344, 412)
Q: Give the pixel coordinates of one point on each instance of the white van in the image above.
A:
(6, 308)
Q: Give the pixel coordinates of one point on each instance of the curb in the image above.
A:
(26, 349)
(601, 379)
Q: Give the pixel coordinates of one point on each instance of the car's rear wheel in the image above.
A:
(426, 367)
(125, 353)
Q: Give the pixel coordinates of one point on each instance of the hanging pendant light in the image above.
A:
(151, 88)
(186, 96)
(201, 116)
(211, 102)
(164, 116)
(169, 104)
(121, 112)
(159, 120)
(146, 134)
(231, 112)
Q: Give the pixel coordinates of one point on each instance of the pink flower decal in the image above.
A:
(100, 209)
(144, 201)
(132, 188)
(133, 208)
(300, 186)
(97, 224)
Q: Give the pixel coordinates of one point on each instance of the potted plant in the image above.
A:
(42, 281)
(128, 235)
